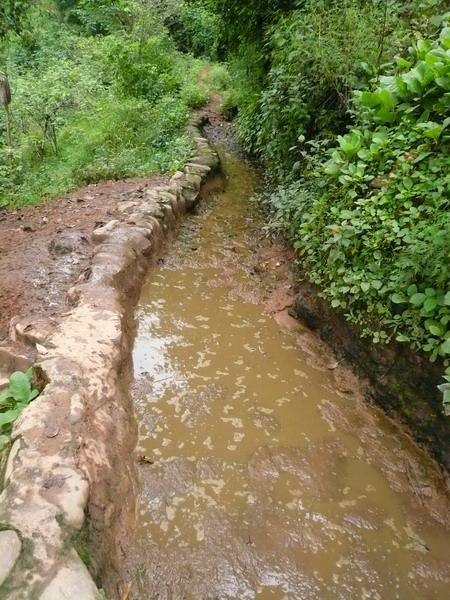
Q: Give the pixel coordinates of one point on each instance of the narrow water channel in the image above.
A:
(263, 472)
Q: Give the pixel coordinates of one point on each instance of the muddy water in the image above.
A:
(263, 472)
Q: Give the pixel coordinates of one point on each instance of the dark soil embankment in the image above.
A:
(400, 380)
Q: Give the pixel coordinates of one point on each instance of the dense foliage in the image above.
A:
(99, 91)
(372, 222)
(192, 25)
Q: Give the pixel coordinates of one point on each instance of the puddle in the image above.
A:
(263, 473)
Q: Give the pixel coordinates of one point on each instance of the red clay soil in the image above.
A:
(33, 277)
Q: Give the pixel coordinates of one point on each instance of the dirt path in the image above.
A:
(34, 274)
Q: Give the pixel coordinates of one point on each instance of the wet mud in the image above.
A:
(264, 473)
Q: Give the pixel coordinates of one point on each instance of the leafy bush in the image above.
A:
(13, 400)
(194, 96)
(97, 17)
(317, 56)
(372, 222)
(219, 78)
(143, 68)
(193, 26)
(87, 108)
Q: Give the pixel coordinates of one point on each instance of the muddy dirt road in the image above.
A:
(44, 249)
(264, 474)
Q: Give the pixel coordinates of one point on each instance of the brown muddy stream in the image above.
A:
(265, 475)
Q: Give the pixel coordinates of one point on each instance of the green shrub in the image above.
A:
(193, 95)
(372, 223)
(143, 68)
(97, 17)
(87, 108)
(194, 27)
(317, 56)
(219, 78)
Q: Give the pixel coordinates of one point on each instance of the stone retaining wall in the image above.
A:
(69, 474)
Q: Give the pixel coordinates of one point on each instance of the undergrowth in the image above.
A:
(98, 92)
(370, 216)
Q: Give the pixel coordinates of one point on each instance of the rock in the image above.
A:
(11, 361)
(176, 176)
(71, 581)
(127, 206)
(197, 169)
(67, 242)
(100, 234)
(10, 546)
(33, 333)
(192, 182)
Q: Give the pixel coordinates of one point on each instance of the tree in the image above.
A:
(5, 100)
(247, 21)
(11, 13)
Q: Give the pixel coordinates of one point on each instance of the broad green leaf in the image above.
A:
(421, 156)
(20, 386)
(369, 99)
(430, 304)
(402, 338)
(8, 417)
(431, 129)
(387, 98)
(435, 328)
(436, 20)
(445, 37)
(445, 347)
(417, 299)
(398, 298)
(402, 63)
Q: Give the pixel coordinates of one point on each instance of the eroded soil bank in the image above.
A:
(264, 473)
